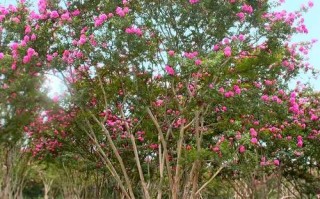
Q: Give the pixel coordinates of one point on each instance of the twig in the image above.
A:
(206, 184)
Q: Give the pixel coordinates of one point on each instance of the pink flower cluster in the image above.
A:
(169, 70)
(98, 21)
(122, 11)
(253, 134)
(30, 53)
(247, 8)
(134, 30)
(193, 1)
(190, 55)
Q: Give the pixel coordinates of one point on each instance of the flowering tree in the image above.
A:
(21, 100)
(174, 97)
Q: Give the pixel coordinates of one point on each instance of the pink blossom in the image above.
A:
(276, 162)
(227, 51)
(122, 11)
(247, 8)
(221, 90)
(193, 1)
(27, 29)
(14, 66)
(268, 82)
(241, 16)
(54, 14)
(310, 3)
(159, 102)
(42, 5)
(55, 98)
(263, 161)
(300, 143)
(226, 41)
(242, 149)
(216, 47)
(191, 55)
(26, 59)
(169, 70)
(253, 132)
(15, 20)
(241, 37)
(33, 37)
(314, 117)
(254, 140)
(237, 89)
(229, 94)
(171, 53)
(198, 62)
(66, 17)
(224, 109)
(49, 58)
(133, 30)
(82, 40)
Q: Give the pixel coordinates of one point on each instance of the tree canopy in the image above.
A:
(162, 99)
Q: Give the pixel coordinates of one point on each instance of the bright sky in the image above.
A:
(312, 21)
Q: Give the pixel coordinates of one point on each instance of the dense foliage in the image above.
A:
(162, 99)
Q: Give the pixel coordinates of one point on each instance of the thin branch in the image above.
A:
(206, 184)
(164, 144)
(115, 151)
(136, 155)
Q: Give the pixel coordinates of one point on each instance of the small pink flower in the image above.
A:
(247, 8)
(159, 102)
(15, 20)
(263, 161)
(216, 47)
(253, 132)
(26, 59)
(242, 149)
(276, 162)
(191, 55)
(55, 98)
(241, 37)
(229, 94)
(314, 117)
(49, 58)
(138, 31)
(33, 37)
(227, 51)
(14, 66)
(76, 13)
(66, 17)
(300, 143)
(169, 70)
(193, 1)
(241, 16)
(224, 109)
(198, 62)
(254, 140)
(171, 53)
(122, 11)
(27, 29)
(54, 14)
(226, 41)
